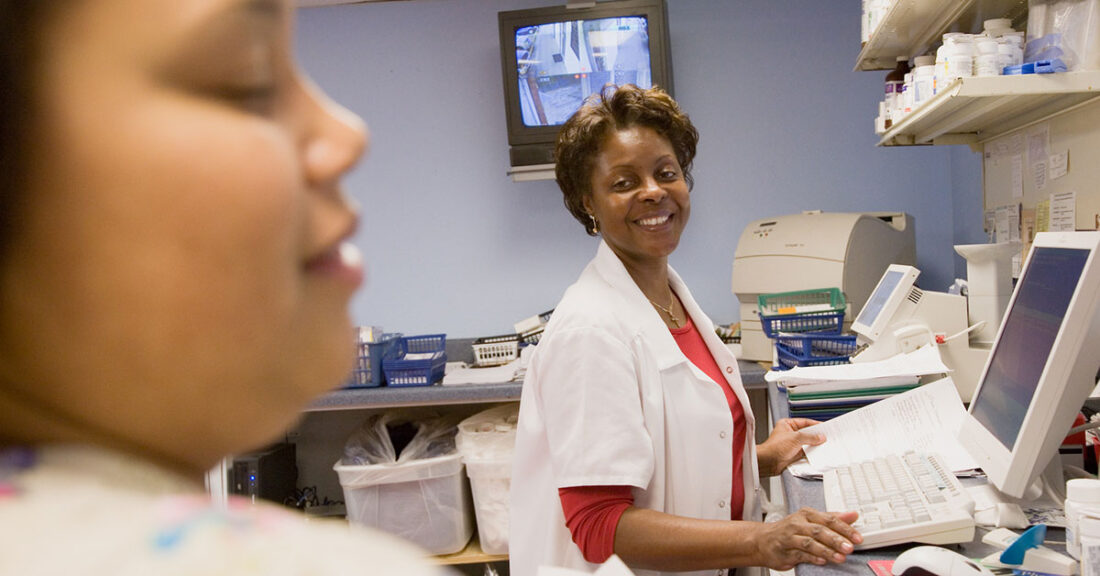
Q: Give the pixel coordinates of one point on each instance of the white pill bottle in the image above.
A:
(1082, 501)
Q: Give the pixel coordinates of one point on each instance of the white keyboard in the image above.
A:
(910, 497)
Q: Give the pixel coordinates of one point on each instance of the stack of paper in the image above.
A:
(825, 392)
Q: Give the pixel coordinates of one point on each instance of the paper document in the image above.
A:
(922, 361)
(491, 375)
(924, 419)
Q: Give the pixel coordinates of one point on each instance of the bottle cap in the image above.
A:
(1083, 490)
(903, 59)
(926, 60)
(998, 24)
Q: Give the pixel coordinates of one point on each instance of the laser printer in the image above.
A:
(811, 250)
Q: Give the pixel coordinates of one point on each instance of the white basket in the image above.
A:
(495, 353)
(424, 501)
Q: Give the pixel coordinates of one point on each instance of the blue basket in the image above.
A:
(820, 310)
(813, 350)
(368, 371)
(416, 361)
(820, 323)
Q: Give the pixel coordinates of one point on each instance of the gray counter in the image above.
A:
(752, 374)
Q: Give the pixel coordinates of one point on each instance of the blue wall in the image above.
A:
(453, 245)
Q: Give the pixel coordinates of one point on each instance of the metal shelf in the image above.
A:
(752, 375)
(974, 110)
(915, 27)
(437, 395)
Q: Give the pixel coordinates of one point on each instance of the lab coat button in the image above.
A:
(721, 503)
(729, 369)
(722, 434)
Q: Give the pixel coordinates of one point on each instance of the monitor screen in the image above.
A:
(1042, 367)
(554, 57)
(877, 301)
(558, 64)
(1017, 361)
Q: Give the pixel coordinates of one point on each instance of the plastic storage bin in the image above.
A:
(490, 482)
(820, 310)
(424, 501)
(416, 361)
(496, 350)
(813, 350)
(487, 441)
(368, 371)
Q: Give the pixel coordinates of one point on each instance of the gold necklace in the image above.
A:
(671, 316)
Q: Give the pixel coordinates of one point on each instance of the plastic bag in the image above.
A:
(1064, 29)
(395, 437)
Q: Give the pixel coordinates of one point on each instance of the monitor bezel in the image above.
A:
(655, 11)
(1066, 380)
(872, 331)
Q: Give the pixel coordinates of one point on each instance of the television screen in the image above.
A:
(560, 63)
(554, 57)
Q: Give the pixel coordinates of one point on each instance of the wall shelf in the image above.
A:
(472, 554)
(915, 27)
(974, 110)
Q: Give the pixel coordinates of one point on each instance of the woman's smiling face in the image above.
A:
(181, 271)
(639, 196)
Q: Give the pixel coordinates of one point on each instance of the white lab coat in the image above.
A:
(610, 399)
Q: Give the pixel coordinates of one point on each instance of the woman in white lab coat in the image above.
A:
(635, 433)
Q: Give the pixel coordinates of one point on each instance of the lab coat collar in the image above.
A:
(643, 318)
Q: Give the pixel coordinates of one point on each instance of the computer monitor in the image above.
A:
(889, 294)
(1042, 366)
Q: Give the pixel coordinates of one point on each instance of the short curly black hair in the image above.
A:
(616, 108)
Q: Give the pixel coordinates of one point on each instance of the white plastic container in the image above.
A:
(986, 62)
(491, 482)
(487, 441)
(1082, 501)
(960, 59)
(1089, 530)
(924, 83)
(424, 501)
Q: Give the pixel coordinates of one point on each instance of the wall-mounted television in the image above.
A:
(554, 57)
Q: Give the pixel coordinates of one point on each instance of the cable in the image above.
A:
(1083, 428)
(978, 326)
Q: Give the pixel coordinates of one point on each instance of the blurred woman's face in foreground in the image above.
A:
(179, 280)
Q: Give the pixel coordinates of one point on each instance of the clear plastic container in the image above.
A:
(424, 501)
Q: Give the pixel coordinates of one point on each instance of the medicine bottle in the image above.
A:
(985, 63)
(924, 76)
(1089, 541)
(960, 59)
(895, 81)
(1082, 502)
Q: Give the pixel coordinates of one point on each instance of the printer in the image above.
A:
(810, 250)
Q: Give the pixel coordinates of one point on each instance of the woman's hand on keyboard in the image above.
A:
(784, 445)
(807, 536)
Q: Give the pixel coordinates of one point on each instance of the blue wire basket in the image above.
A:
(813, 350)
(416, 361)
